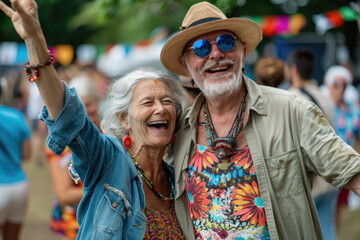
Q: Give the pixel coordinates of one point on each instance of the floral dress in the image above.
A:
(347, 123)
(224, 198)
(63, 220)
(162, 225)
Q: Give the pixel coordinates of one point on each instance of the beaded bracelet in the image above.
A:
(29, 72)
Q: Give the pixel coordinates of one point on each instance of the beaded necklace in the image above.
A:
(151, 185)
(223, 146)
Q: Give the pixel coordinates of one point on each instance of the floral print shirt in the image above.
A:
(224, 198)
(347, 123)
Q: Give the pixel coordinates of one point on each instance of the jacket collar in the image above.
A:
(256, 103)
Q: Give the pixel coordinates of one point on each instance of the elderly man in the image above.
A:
(247, 154)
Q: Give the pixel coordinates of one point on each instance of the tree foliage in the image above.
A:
(111, 21)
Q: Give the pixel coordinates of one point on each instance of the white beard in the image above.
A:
(213, 89)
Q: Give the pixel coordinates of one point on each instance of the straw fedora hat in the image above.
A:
(203, 18)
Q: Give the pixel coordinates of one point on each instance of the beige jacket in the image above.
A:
(326, 104)
(290, 141)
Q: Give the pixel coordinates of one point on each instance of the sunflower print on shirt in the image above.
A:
(225, 202)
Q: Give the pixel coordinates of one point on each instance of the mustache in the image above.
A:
(216, 64)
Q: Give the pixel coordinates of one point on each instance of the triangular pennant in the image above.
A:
(335, 18)
(348, 14)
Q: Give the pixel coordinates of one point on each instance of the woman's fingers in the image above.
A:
(7, 10)
(20, 7)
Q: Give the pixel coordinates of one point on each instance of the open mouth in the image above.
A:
(159, 124)
(218, 69)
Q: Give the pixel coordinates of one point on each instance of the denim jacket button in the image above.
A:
(114, 205)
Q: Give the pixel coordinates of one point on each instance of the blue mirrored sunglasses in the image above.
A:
(225, 42)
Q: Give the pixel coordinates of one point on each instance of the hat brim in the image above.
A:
(247, 31)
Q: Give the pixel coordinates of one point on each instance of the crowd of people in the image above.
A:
(329, 201)
(198, 152)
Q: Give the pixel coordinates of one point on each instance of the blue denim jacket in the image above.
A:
(114, 201)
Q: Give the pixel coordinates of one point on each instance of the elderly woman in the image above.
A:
(128, 188)
(347, 114)
(347, 122)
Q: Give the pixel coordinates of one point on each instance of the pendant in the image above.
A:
(224, 165)
(222, 147)
(223, 154)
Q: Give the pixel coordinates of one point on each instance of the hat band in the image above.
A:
(204, 20)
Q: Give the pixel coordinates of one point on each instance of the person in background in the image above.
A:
(17, 93)
(70, 192)
(270, 71)
(192, 91)
(347, 114)
(347, 121)
(39, 129)
(15, 147)
(302, 65)
(246, 155)
(351, 94)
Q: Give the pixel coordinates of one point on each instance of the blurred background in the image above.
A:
(110, 33)
(107, 38)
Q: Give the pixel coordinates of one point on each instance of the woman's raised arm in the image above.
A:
(24, 16)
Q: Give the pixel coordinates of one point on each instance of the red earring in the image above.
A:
(127, 141)
(172, 138)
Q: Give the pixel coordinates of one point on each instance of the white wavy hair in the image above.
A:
(337, 71)
(120, 94)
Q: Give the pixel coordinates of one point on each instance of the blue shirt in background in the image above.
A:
(14, 130)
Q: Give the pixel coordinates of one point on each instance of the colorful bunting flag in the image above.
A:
(86, 53)
(269, 25)
(335, 17)
(8, 52)
(348, 14)
(322, 23)
(112, 55)
(297, 22)
(280, 25)
(64, 54)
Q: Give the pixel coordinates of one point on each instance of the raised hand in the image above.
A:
(24, 16)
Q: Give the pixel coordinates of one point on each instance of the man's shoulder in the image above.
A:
(281, 94)
(256, 90)
(282, 101)
(312, 90)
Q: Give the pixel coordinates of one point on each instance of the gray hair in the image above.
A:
(337, 71)
(119, 98)
(84, 85)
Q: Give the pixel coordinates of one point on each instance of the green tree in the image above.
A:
(112, 21)
(55, 17)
